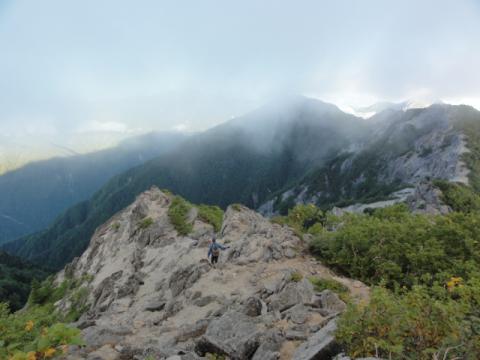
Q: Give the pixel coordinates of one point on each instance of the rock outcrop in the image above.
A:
(153, 294)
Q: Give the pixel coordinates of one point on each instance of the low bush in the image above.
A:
(178, 214)
(296, 276)
(145, 223)
(320, 284)
(425, 270)
(422, 323)
(39, 331)
(212, 215)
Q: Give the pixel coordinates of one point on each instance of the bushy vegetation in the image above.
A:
(422, 323)
(302, 217)
(145, 223)
(39, 331)
(178, 214)
(15, 279)
(401, 249)
(468, 121)
(459, 196)
(320, 284)
(34, 334)
(212, 215)
(296, 276)
(425, 273)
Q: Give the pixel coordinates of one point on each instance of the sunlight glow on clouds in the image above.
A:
(120, 67)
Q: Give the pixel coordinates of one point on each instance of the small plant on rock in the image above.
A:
(296, 276)
(145, 223)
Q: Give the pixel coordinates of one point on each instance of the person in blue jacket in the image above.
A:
(214, 250)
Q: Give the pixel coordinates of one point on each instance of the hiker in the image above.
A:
(214, 250)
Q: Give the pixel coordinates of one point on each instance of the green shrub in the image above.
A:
(178, 214)
(296, 276)
(212, 215)
(303, 219)
(145, 223)
(237, 207)
(116, 226)
(428, 269)
(34, 333)
(320, 284)
(402, 249)
(414, 325)
(459, 196)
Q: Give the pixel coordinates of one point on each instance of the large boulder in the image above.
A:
(271, 342)
(293, 293)
(253, 306)
(234, 334)
(320, 346)
(329, 301)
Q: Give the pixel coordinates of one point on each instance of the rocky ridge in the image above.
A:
(151, 293)
(406, 151)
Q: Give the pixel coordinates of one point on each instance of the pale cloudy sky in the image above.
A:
(126, 66)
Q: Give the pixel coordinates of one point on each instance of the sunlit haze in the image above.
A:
(71, 69)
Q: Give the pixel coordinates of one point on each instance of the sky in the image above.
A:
(77, 67)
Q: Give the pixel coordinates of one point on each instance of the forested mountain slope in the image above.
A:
(33, 196)
(244, 160)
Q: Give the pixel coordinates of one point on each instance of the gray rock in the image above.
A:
(320, 345)
(156, 305)
(297, 314)
(184, 278)
(233, 334)
(205, 300)
(329, 301)
(98, 336)
(187, 332)
(253, 306)
(271, 342)
(172, 307)
(293, 293)
(103, 294)
(295, 335)
(289, 253)
(130, 287)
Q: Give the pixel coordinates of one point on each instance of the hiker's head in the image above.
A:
(214, 238)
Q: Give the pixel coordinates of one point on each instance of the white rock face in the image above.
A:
(153, 292)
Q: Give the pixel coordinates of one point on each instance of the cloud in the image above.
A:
(162, 65)
(107, 126)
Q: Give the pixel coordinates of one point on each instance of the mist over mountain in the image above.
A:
(244, 160)
(302, 151)
(32, 196)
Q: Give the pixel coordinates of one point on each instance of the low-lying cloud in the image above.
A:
(187, 65)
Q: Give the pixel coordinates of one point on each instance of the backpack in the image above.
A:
(215, 251)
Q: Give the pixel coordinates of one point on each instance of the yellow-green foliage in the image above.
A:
(39, 331)
(34, 334)
(145, 223)
(116, 226)
(296, 276)
(303, 218)
(211, 356)
(321, 284)
(423, 323)
(237, 207)
(212, 215)
(178, 214)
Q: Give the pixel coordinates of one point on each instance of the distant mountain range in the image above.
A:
(299, 151)
(32, 196)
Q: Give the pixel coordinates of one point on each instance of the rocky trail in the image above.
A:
(153, 295)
